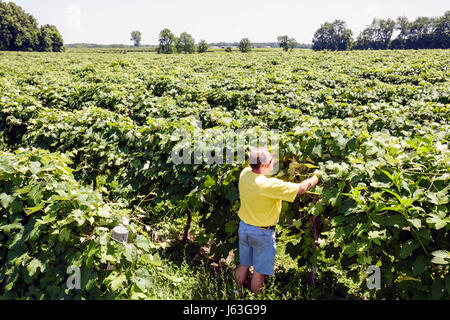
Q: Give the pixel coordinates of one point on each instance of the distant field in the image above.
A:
(86, 138)
(109, 50)
(144, 49)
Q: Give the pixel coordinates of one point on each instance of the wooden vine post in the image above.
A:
(314, 222)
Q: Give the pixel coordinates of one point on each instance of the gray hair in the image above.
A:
(259, 156)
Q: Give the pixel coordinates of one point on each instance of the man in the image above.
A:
(259, 212)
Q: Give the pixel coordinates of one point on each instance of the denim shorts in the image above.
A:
(257, 248)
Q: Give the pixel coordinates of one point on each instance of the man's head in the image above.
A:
(261, 161)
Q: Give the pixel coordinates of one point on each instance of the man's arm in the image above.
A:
(307, 184)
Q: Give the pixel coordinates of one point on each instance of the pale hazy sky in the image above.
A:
(111, 21)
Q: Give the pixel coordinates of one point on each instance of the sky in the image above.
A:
(112, 21)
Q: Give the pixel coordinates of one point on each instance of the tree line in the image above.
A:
(422, 33)
(19, 31)
(105, 46)
(260, 44)
(185, 43)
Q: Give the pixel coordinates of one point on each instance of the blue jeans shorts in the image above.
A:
(257, 248)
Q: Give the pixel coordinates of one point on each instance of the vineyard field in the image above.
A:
(86, 140)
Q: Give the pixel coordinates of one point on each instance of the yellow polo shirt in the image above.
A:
(261, 197)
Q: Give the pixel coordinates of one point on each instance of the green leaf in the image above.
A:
(35, 167)
(171, 278)
(439, 198)
(118, 282)
(231, 227)
(396, 209)
(416, 222)
(88, 279)
(389, 175)
(142, 279)
(297, 224)
(394, 194)
(11, 279)
(447, 284)
(129, 252)
(47, 219)
(5, 200)
(154, 260)
(209, 182)
(33, 265)
(317, 209)
(113, 252)
(7, 228)
(91, 250)
(64, 235)
(136, 293)
(439, 220)
(437, 289)
(64, 169)
(376, 236)
(354, 248)
(407, 248)
(16, 206)
(441, 257)
(104, 212)
(79, 216)
(34, 234)
(7, 168)
(35, 194)
(307, 165)
(420, 265)
(23, 190)
(29, 211)
(142, 242)
(396, 221)
(364, 260)
(142, 283)
(425, 234)
(332, 197)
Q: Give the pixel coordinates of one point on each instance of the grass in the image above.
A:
(204, 278)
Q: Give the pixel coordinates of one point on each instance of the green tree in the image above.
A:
(402, 25)
(58, 42)
(423, 33)
(441, 37)
(333, 36)
(18, 30)
(376, 36)
(50, 39)
(136, 36)
(365, 40)
(385, 29)
(245, 45)
(166, 42)
(185, 43)
(228, 49)
(45, 40)
(202, 46)
(286, 43)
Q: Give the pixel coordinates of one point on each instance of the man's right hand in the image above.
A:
(318, 173)
(307, 184)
